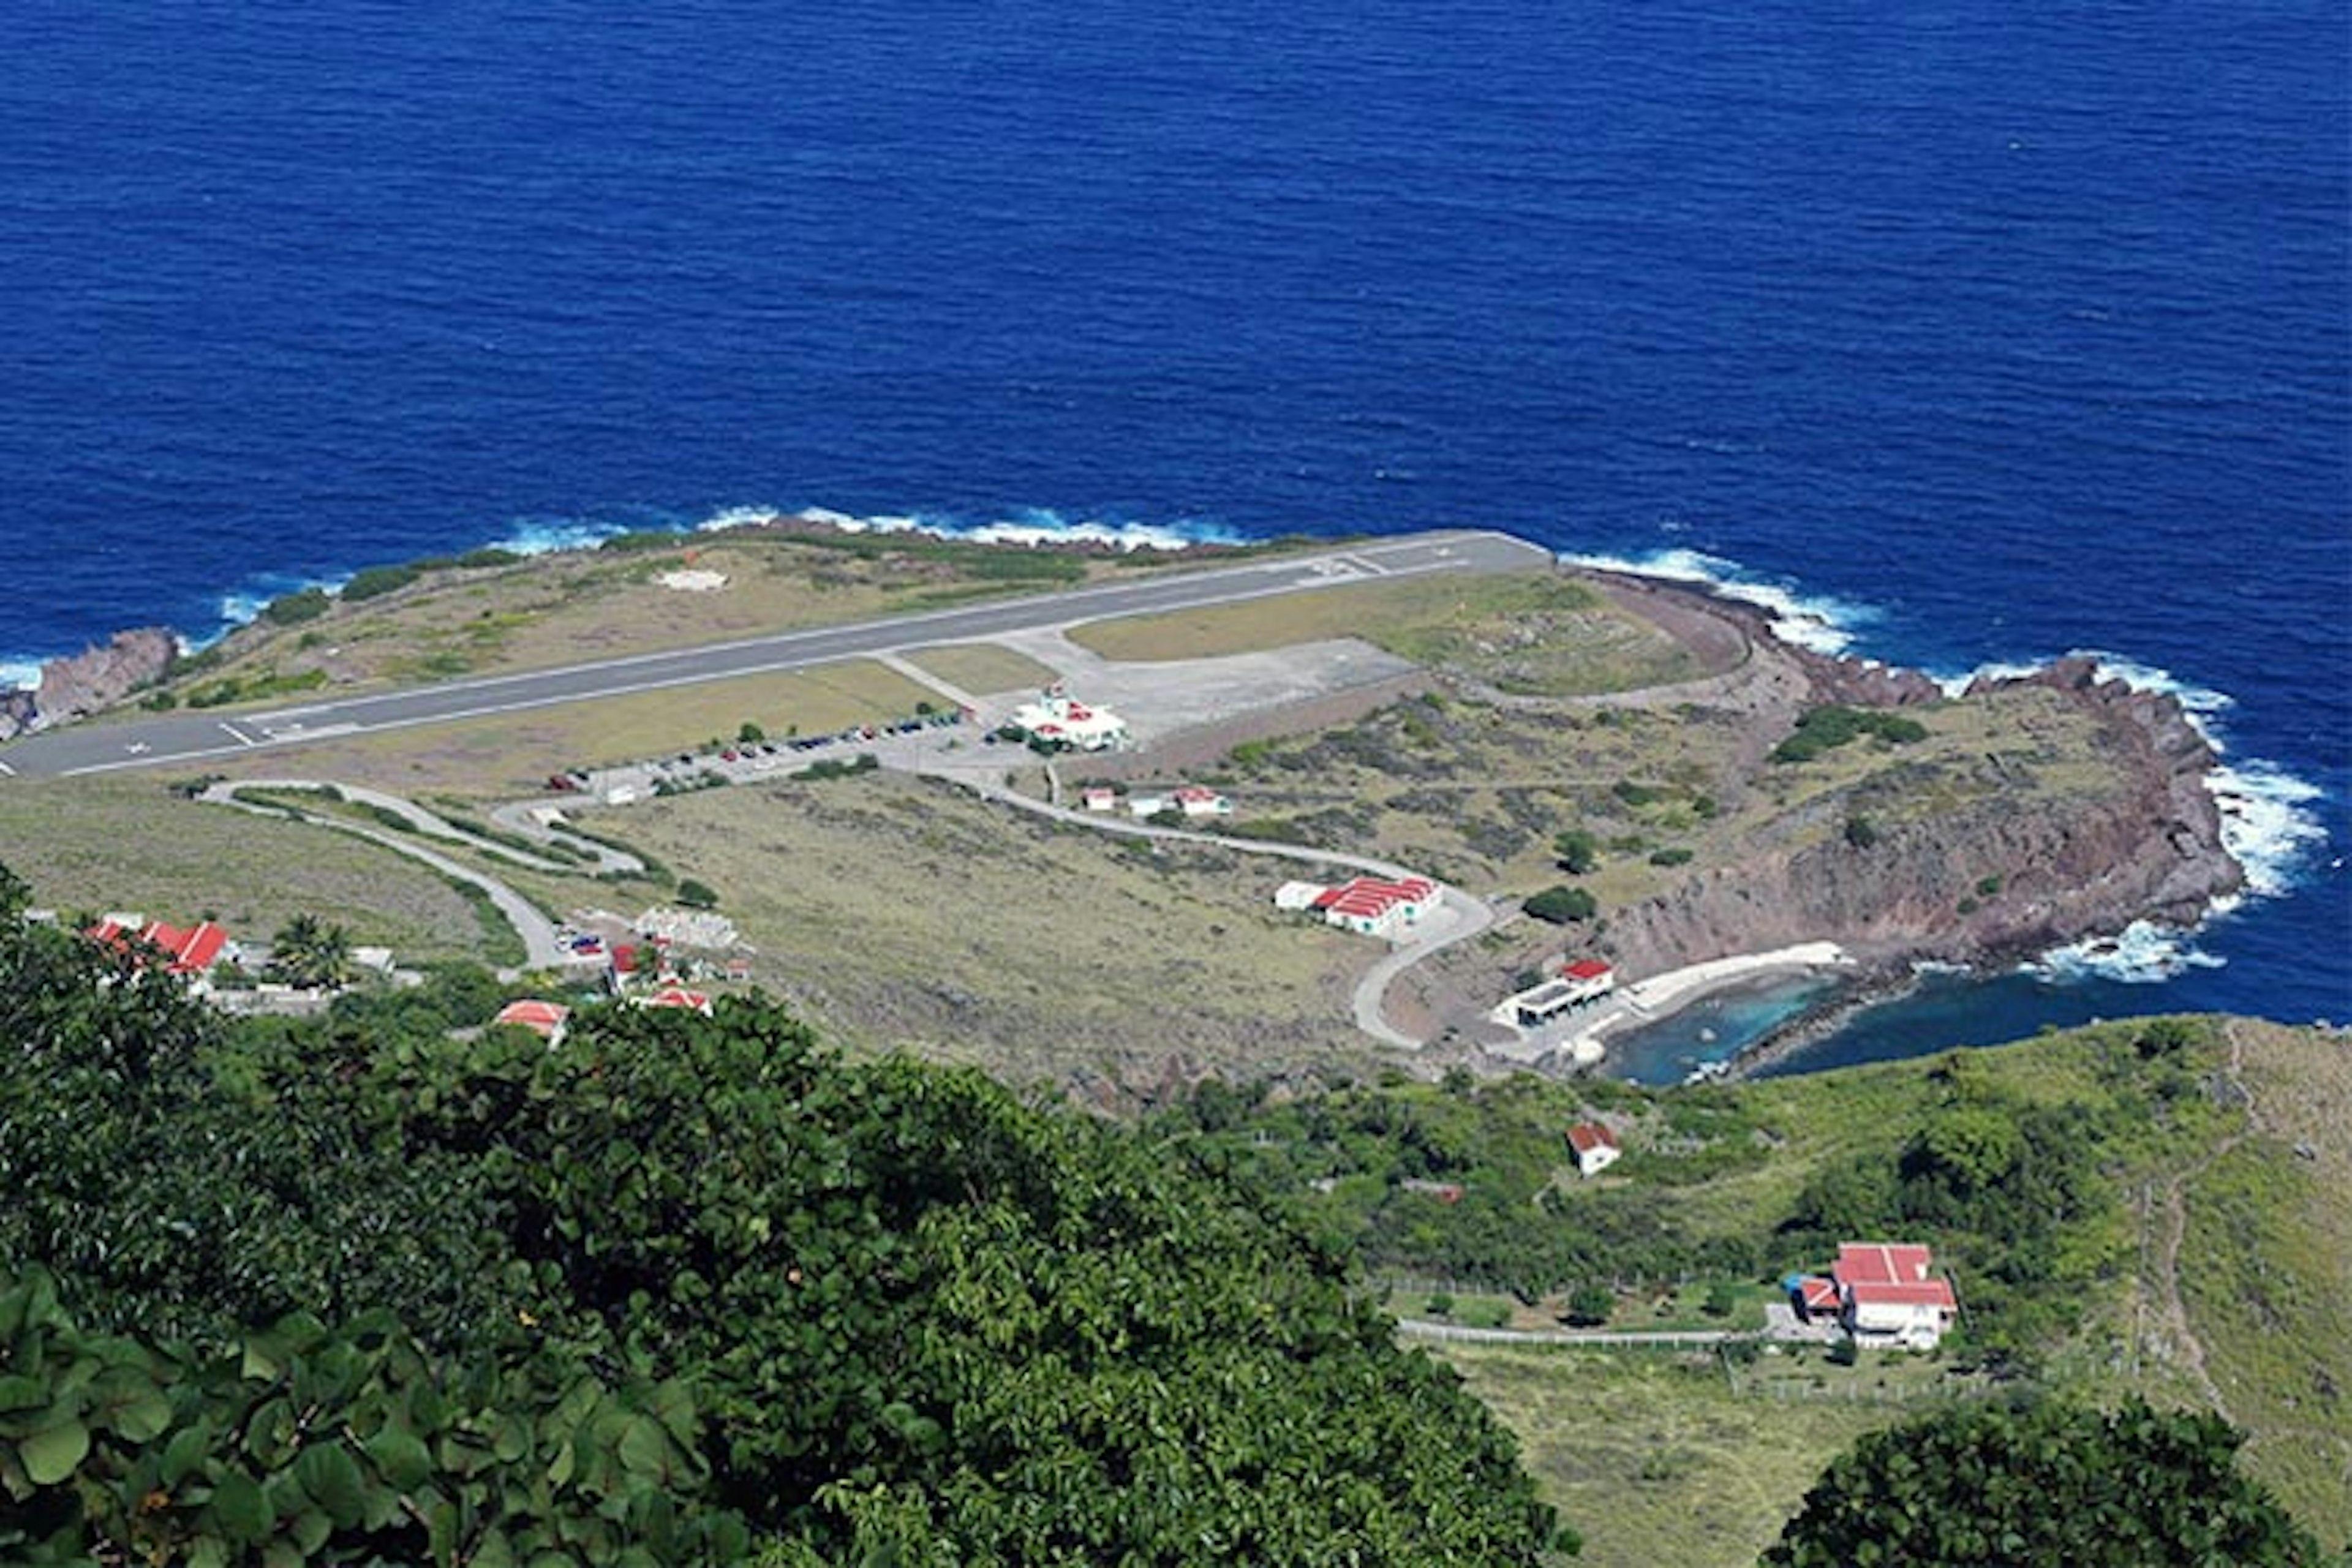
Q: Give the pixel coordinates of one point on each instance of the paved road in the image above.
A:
(1421, 1328)
(541, 947)
(181, 739)
(1466, 916)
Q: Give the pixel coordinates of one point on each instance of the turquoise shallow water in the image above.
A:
(1711, 1031)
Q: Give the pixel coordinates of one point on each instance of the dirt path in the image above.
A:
(2172, 1326)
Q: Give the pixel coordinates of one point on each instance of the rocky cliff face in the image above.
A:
(95, 678)
(2003, 865)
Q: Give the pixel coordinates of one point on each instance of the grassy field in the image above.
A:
(2265, 1269)
(1655, 1458)
(609, 603)
(511, 754)
(1525, 632)
(1663, 1459)
(1474, 793)
(1068, 953)
(981, 668)
(129, 843)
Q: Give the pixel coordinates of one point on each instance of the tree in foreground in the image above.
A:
(2049, 1482)
(685, 1292)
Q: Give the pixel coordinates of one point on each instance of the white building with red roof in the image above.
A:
(1100, 797)
(1595, 1147)
(189, 952)
(1588, 978)
(677, 996)
(1194, 800)
(1889, 1294)
(545, 1019)
(1375, 906)
(1060, 719)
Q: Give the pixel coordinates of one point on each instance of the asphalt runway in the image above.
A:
(179, 739)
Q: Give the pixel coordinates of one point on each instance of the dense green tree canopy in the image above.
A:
(2052, 1483)
(364, 1289)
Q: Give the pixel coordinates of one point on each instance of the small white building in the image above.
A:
(1588, 978)
(1143, 805)
(545, 1019)
(1062, 720)
(1296, 896)
(1100, 798)
(1195, 801)
(1595, 1147)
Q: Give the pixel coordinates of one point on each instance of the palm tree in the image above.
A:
(308, 952)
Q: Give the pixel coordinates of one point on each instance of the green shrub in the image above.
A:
(1824, 729)
(373, 582)
(293, 609)
(1576, 850)
(1560, 905)
(696, 895)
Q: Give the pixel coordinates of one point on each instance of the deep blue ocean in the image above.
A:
(1983, 332)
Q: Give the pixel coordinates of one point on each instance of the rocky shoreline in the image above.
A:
(2012, 871)
(98, 677)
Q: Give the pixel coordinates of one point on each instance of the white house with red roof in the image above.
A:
(1100, 797)
(1889, 1294)
(677, 996)
(1595, 1147)
(189, 952)
(1588, 978)
(545, 1019)
(1375, 906)
(1194, 800)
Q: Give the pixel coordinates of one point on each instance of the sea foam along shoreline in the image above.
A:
(238, 605)
(2267, 821)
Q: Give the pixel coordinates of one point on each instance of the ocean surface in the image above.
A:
(1971, 335)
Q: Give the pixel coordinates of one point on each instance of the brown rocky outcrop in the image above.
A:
(95, 678)
(2012, 871)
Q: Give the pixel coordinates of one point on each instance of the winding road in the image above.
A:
(1464, 917)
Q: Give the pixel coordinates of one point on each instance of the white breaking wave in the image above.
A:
(2142, 953)
(1033, 526)
(24, 672)
(2267, 823)
(547, 535)
(1813, 621)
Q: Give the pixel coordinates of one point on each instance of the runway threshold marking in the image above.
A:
(241, 737)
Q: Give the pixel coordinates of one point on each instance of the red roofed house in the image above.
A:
(1195, 801)
(678, 996)
(189, 952)
(1588, 978)
(1595, 1147)
(1374, 907)
(542, 1018)
(1101, 798)
(1891, 1295)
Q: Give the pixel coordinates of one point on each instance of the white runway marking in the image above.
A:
(242, 738)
